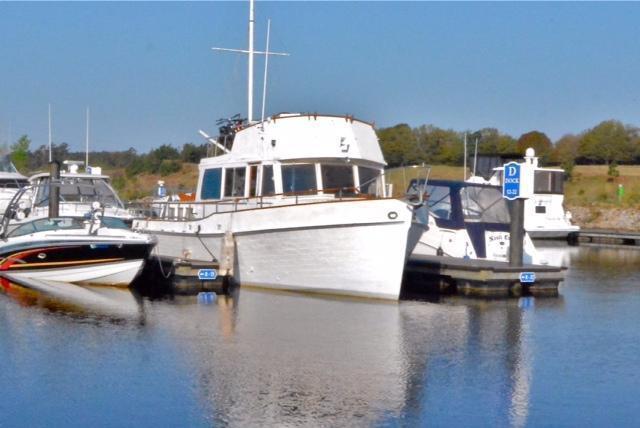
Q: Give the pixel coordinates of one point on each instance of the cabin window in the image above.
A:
(549, 182)
(299, 178)
(10, 183)
(80, 190)
(253, 180)
(368, 180)
(234, 182)
(268, 183)
(211, 184)
(337, 177)
(439, 201)
(484, 204)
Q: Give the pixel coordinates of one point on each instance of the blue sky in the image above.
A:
(148, 74)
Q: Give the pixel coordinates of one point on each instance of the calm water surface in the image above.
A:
(261, 358)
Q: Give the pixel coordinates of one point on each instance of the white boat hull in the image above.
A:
(355, 248)
(119, 274)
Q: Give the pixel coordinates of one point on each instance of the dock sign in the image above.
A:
(207, 274)
(511, 181)
(527, 277)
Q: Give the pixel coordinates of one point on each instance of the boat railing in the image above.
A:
(190, 210)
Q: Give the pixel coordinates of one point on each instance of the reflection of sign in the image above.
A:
(527, 277)
(511, 181)
(207, 274)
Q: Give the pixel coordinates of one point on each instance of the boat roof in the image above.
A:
(70, 174)
(301, 136)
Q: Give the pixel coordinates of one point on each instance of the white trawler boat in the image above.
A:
(544, 213)
(298, 202)
(294, 201)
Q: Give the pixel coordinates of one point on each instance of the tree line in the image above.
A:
(609, 142)
(163, 160)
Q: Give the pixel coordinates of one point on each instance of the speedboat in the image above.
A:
(544, 213)
(467, 220)
(297, 202)
(69, 249)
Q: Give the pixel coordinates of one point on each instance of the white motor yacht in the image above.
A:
(544, 213)
(10, 181)
(78, 192)
(298, 202)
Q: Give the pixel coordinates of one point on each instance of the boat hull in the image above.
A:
(355, 248)
(91, 262)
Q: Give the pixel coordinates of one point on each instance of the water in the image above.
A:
(267, 358)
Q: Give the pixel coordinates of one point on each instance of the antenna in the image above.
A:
(266, 67)
(464, 168)
(50, 133)
(251, 52)
(475, 157)
(86, 163)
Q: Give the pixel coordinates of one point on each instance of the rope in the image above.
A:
(165, 275)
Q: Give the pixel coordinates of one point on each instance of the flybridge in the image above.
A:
(303, 136)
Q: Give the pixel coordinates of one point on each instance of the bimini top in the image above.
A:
(303, 136)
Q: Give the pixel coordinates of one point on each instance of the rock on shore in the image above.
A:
(612, 218)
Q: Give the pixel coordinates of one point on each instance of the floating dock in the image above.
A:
(174, 277)
(603, 237)
(477, 277)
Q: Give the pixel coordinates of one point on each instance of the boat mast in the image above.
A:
(50, 133)
(251, 52)
(86, 164)
(250, 73)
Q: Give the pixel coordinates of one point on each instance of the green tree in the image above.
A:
(398, 145)
(607, 142)
(538, 141)
(20, 153)
(491, 142)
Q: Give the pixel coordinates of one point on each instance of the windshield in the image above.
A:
(80, 190)
(6, 165)
(484, 204)
(47, 224)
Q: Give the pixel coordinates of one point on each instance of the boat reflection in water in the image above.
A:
(86, 300)
(273, 358)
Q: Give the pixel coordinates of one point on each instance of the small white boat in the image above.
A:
(467, 220)
(544, 213)
(70, 249)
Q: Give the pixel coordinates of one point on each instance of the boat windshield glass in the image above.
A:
(549, 182)
(6, 165)
(48, 224)
(337, 178)
(80, 190)
(299, 178)
(369, 180)
(439, 201)
(484, 204)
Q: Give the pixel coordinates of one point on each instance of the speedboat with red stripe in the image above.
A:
(73, 250)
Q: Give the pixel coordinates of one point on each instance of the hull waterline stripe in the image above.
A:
(22, 265)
